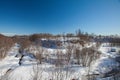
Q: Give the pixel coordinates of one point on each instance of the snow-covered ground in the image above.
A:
(29, 67)
(10, 61)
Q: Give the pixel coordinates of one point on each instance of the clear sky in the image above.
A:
(58, 16)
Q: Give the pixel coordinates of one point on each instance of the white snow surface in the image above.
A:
(48, 71)
(10, 62)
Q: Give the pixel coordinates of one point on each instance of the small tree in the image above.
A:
(69, 52)
(39, 54)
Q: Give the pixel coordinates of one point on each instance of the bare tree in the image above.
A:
(39, 54)
(59, 59)
(85, 56)
(69, 52)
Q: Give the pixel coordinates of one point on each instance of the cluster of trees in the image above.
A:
(85, 56)
(5, 44)
(114, 40)
(35, 37)
(76, 55)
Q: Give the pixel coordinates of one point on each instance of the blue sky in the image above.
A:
(58, 16)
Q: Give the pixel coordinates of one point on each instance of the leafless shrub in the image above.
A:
(57, 75)
(69, 53)
(60, 59)
(37, 72)
(60, 74)
(39, 54)
(85, 56)
(5, 44)
(24, 44)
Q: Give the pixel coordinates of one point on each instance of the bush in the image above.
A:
(5, 44)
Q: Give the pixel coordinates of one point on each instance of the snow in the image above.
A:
(9, 62)
(106, 62)
(104, 65)
(21, 73)
(26, 70)
(107, 51)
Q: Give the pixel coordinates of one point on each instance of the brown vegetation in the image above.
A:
(5, 44)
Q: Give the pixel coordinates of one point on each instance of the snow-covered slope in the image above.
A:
(10, 61)
(106, 63)
(29, 67)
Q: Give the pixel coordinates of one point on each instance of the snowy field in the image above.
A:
(29, 69)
